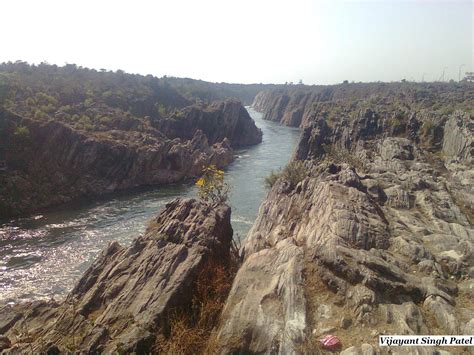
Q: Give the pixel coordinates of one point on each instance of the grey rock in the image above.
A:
(364, 349)
(458, 141)
(345, 322)
(266, 305)
(123, 299)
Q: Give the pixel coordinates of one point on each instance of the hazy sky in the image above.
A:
(246, 41)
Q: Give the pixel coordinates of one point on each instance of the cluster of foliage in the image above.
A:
(294, 172)
(87, 99)
(203, 91)
(100, 100)
(212, 188)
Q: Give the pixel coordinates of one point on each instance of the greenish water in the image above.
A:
(43, 256)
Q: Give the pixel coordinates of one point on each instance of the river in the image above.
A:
(43, 256)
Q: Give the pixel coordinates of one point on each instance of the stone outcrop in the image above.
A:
(55, 163)
(377, 239)
(458, 140)
(125, 298)
(297, 105)
(226, 119)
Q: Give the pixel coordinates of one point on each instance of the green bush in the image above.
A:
(212, 188)
(272, 178)
(22, 132)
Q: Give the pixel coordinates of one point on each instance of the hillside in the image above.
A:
(70, 132)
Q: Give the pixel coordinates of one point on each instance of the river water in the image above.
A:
(43, 256)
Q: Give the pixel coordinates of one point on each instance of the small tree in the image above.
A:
(211, 185)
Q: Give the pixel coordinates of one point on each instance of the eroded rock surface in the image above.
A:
(125, 299)
(377, 239)
(220, 120)
(57, 163)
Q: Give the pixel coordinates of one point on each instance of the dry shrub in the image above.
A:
(294, 172)
(341, 155)
(192, 330)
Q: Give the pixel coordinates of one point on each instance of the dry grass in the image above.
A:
(192, 329)
(294, 172)
(340, 155)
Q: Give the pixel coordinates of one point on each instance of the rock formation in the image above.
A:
(87, 133)
(297, 106)
(222, 119)
(377, 239)
(126, 298)
(56, 163)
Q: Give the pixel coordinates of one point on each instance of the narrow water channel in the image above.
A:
(44, 255)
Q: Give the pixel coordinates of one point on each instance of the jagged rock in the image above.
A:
(458, 142)
(398, 198)
(469, 327)
(5, 343)
(226, 119)
(124, 299)
(444, 313)
(386, 237)
(364, 349)
(265, 310)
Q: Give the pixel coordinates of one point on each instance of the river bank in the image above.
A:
(44, 255)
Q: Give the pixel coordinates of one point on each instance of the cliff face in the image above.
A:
(297, 106)
(55, 163)
(128, 296)
(227, 119)
(376, 239)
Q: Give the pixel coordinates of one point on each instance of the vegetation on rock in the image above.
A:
(212, 188)
(294, 172)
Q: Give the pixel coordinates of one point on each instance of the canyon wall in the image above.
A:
(297, 105)
(54, 163)
(375, 237)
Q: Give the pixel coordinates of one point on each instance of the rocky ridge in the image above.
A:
(298, 105)
(377, 239)
(220, 120)
(127, 297)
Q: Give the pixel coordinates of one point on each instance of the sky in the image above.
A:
(247, 41)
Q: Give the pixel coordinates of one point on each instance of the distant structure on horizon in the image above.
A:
(469, 76)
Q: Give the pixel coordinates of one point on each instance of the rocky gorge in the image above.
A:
(374, 237)
(55, 148)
